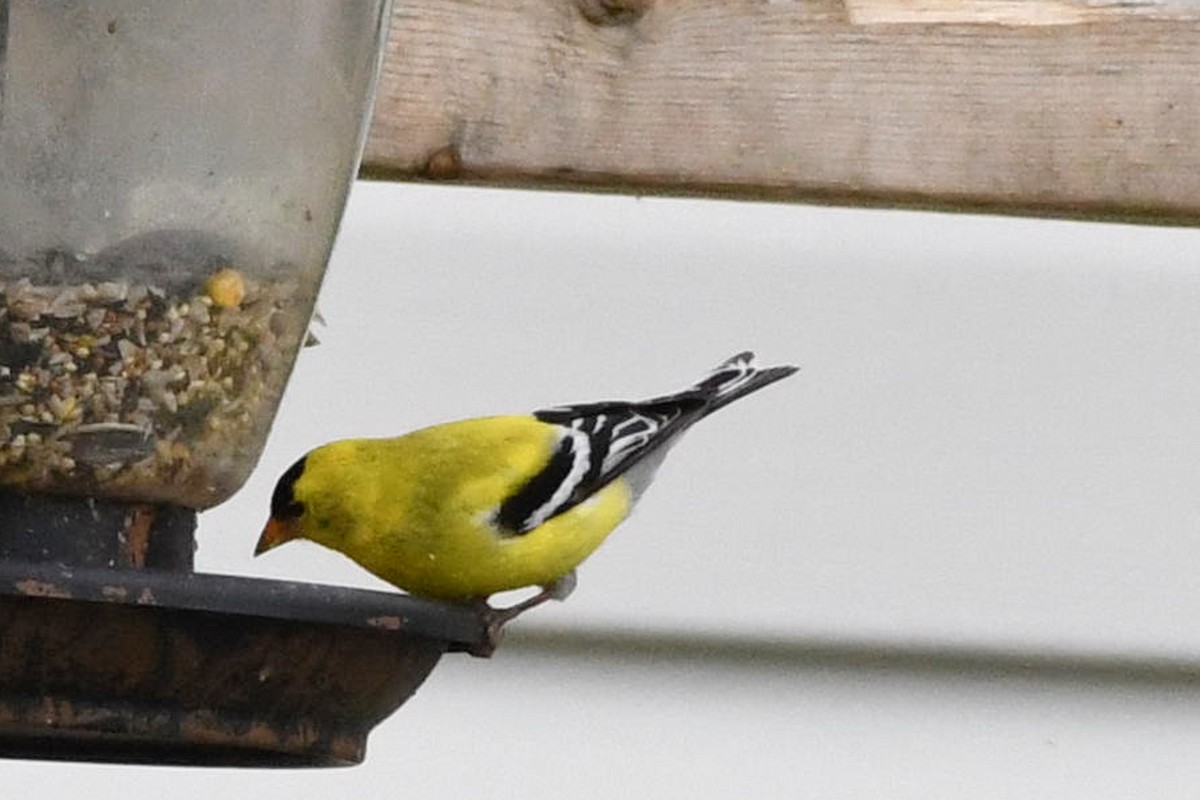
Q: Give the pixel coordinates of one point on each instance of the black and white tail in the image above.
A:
(605, 440)
(736, 378)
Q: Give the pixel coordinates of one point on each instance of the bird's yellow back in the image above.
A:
(418, 510)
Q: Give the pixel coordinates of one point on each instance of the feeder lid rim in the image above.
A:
(460, 626)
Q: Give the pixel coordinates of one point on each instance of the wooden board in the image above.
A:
(1060, 107)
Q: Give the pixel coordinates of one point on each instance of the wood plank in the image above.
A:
(1061, 107)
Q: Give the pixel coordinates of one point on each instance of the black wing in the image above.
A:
(602, 441)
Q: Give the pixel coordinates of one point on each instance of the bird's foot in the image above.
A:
(495, 619)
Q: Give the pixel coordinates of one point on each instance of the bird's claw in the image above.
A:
(494, 619)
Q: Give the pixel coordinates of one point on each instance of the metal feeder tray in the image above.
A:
(113, 649)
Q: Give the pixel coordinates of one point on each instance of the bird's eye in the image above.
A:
(284, 504)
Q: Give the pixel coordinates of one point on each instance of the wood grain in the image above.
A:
(1060, 107)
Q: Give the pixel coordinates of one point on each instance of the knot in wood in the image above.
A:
(444, 164)
(612, 12)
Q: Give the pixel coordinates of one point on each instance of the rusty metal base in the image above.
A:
(116, 673)
(112, 661)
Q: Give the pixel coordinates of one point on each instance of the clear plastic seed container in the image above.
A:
(172, 175)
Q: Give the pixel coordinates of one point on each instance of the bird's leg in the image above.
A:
(497, 618)
(562, 588)
(558, 590)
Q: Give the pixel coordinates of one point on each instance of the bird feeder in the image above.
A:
(172, 176)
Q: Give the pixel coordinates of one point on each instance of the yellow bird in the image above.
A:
(463, 510)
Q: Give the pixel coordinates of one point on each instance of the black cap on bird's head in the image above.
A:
(286, 510)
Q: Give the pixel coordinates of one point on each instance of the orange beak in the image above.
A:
(276, 533)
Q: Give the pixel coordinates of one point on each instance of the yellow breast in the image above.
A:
(417, 510)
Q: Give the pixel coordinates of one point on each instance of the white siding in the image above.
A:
(994, 442)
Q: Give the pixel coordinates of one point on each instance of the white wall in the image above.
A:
(994, 442)
(994, 437)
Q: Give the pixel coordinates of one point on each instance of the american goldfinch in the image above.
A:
(463, 510)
